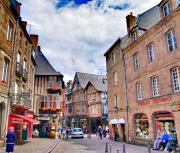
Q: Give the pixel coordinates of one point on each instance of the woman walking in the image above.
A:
(10, 140)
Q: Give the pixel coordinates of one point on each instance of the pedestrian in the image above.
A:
(10, 140)
(67, 133)
(100, 132)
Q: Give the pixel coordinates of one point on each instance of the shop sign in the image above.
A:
(18, 121)
(161, 100)
(155, 101)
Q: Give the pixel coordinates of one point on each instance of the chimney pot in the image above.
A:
(131, 21)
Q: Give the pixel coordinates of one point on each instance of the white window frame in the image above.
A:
(19, 57)
(24, 64)
(166, 9)
(139, 92)
(171, 40)
(151, 52)
(9, 31)
(136, 62)
(135, 35)
(5, 70)
(175, 79)
(155, 87)
(93, 96)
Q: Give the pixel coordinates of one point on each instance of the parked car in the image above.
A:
(77, 133)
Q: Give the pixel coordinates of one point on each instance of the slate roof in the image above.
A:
(145, 21)
(95, 80)
(43, 65)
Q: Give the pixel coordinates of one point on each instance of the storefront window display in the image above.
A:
(164, 121)
(141, 126)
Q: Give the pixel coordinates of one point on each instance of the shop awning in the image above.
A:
(117, 121)
(15, 118)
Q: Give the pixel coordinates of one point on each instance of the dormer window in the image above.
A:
(166, 9)
(135, 35)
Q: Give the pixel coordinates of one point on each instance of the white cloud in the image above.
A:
(75, 39)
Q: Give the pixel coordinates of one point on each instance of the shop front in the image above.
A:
(164, 122)
(23, 126)
(117, 132)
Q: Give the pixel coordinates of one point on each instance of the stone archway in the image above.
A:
(162, 121)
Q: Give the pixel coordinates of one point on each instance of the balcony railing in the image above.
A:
(19, 99)
(25, 75)
(19, 69)
(16, 99)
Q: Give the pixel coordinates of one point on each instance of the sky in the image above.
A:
(75, 34)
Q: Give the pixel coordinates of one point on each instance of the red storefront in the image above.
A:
(23, 126)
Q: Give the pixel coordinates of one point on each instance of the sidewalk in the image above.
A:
(35, 145)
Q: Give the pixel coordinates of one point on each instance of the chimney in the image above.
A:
(24, 23)
(34, 39)
(131, 21)
(18, 8)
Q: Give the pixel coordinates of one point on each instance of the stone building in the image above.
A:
(17, 70)
(49, 100)
(150, 55)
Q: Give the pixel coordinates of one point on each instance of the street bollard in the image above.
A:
(110, 149)
(106, 148)
(118, 150)
(124, 148)
(149, 149)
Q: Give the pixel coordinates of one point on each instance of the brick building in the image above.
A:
(17, 70)
(150, 53)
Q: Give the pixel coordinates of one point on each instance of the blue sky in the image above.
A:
(74, 34)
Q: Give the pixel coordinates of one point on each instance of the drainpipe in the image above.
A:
(126, 95)
(11, 77)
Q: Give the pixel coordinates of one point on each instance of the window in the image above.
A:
(175, 79)
(93, 96)
(151, 54)
(18, 57)
(141, 126)
(24, 64)
(113, 57)
(154, 84)
(136, 62)
(69, 108)
(135, 35)
(5, 70)
(115, 78)
(116, 101)
(139, 92)
(16, 88)
(9, 31)
(171, 40)
(94, 111)
(166, 9)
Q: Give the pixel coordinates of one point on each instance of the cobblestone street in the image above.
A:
(93, 145)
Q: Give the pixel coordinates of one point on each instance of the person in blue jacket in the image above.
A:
(165, 139)
(10, 140)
